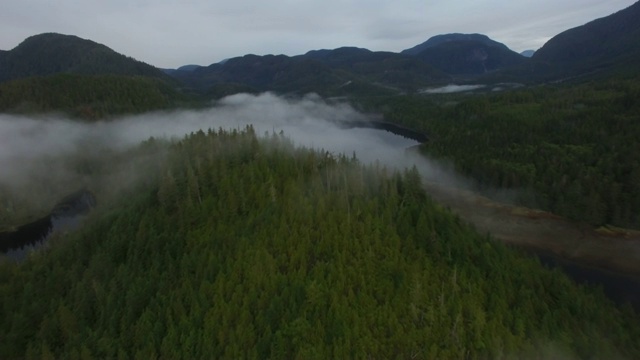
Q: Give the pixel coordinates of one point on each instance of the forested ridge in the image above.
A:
(238, 246)
(88, 97)
(569, 149)
(51, 53)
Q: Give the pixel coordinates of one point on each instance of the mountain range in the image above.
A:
(606, 45)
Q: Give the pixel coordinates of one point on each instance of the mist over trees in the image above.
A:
(260, 238)
(246, 247)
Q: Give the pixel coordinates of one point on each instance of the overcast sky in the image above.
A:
(171, 33)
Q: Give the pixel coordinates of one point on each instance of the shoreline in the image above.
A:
(542, 232)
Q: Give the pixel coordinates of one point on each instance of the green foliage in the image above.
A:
(88, 97)
(570, 150)
(242, 247)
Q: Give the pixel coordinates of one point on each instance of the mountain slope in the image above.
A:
(391, 69)
(328, 72)
(262, 73)
(52, 53)
(606, 43)
(528, 53)
(87, 96)
(470, 57)
(240, 247)
(447, 38)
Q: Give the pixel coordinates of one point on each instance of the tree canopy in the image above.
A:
(244, 246)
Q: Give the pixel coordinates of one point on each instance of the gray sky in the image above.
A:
(171, 33)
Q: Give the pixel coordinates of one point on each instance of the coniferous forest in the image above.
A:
(88, 97)
(175, 241)
(571, 149)
(244, 246)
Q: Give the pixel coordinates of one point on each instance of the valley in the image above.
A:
(455, 199)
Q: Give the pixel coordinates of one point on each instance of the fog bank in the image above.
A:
(36, 150)
(448, 89)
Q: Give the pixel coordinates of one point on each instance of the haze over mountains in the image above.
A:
(609, 44)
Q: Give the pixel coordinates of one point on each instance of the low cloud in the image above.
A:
(35, 152)
(448, 89)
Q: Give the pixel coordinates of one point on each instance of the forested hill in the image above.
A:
(88, 97)
(449, 38)
(470, 57)
(611, 43)
(338, 72)
(571, 150)
(239, 247)
(53, 53)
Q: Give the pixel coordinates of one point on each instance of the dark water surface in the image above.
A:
(65, 215)
(618, 287)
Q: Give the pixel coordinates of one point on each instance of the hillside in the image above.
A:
(52, 53)
(571, 150)
(448, 38)
(242, 247)
(343, 71)
(262, 73)
(528, 53)
(87, 96)
(380, 67)
(611, 43)
(470, 57)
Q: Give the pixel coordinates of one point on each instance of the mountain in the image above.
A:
(335, 72)
(52, 53)
(608, 43)
(388, 68)
(469, 57)
(455, 37)
(528, 53)
(611, 42)
(181, 68)
(262, 73)
(189, 67)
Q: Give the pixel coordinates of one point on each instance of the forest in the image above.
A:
(571, 149)
(243, 246)
(88, 97)
(230, 243)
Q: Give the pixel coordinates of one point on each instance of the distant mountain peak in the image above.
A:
(341, 51)
(52, 53)
(465, 54)
(454, 37)
(528, 53)
(607, 42)
(189, 67)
